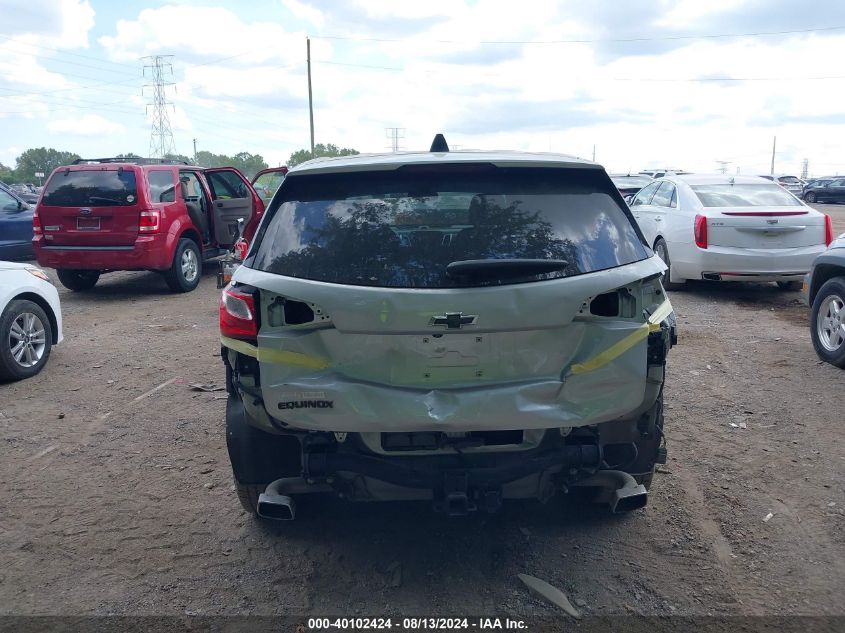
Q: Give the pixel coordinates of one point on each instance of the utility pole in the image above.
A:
(774, 145)
(594, 152)
(195, 150)
(395, 134)
(723, 166)
(310, 100)
(161, 134)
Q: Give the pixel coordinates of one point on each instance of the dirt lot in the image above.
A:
(116, 496)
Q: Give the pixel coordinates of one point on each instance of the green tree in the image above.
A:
(320, 151)
(249, 164)
(181, 157)
(7, 174)
(41, 159)
(207, 159)
(128, 155)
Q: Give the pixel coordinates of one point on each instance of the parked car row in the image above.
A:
(825, 190)
(27, 192)
(374, 279)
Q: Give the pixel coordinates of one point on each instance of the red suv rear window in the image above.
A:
(100, 188)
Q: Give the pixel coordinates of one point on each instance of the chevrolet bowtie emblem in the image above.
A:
(453, 320)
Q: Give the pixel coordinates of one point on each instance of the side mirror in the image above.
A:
(629, 199)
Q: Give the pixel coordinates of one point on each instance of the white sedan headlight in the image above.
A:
(38, 273)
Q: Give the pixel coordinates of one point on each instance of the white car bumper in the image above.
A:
(742, 264)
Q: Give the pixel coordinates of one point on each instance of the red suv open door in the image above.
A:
(233, 199)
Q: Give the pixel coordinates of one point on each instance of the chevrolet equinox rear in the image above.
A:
(458, 328)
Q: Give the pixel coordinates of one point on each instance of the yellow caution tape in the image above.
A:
(619, 348)
(275, 356)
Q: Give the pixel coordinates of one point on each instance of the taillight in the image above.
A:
(701, 231)
(37, 230)
(149, 222)
(237, 314)
(828, 230)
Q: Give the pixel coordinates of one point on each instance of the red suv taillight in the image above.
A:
(149, 222)
(701, 231)
(828, 230)
(37, 230)
(237, 314)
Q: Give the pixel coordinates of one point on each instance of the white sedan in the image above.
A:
(30, 320)
(726, 228)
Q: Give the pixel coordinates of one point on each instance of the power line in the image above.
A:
(628, 79)
(584, 41)
(161, 134)
(64, 52)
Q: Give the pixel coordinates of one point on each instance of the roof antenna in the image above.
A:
(439, 144)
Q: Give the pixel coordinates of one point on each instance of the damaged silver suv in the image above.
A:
(455, 327)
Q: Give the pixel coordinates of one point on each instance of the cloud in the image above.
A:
(65, 23)
(203, 34)
(87, 125)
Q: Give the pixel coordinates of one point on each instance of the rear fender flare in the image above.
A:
(182, 227)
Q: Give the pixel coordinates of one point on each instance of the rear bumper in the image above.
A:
(742, 264)
(149, 252)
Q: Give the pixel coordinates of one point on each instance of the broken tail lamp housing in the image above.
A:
(237, 315)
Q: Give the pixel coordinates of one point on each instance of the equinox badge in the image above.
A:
(453, 320)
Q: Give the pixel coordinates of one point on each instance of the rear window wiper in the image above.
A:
(495, 268)
(102, 199)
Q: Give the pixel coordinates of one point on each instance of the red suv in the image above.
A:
(101, 215)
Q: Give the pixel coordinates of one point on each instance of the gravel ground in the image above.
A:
(116, 495)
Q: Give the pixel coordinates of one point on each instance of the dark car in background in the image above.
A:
(15, 227)
(825, 190)
(629, 184)
(27, 193)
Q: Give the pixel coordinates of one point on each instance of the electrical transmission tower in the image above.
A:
(723, 166)
(395, 134)
(161, 134)
(805, 168)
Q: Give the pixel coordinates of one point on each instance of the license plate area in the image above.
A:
(87, 224)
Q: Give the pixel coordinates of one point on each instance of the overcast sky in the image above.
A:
(649, 83)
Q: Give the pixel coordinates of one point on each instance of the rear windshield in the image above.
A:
(91, 189)
(755, 195)
(630, 181)
(792, 180)
(401, 228)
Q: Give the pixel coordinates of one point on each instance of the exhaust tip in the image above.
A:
(628, 499)
(276, 507)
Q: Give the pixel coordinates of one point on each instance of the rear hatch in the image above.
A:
(93, 206)
(448, 298)
(758, 216)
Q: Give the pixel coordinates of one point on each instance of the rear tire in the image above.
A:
(789, 285)
(78, 280)
(26, 339)
(830, 296)
(186, 270)
(662, 252)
